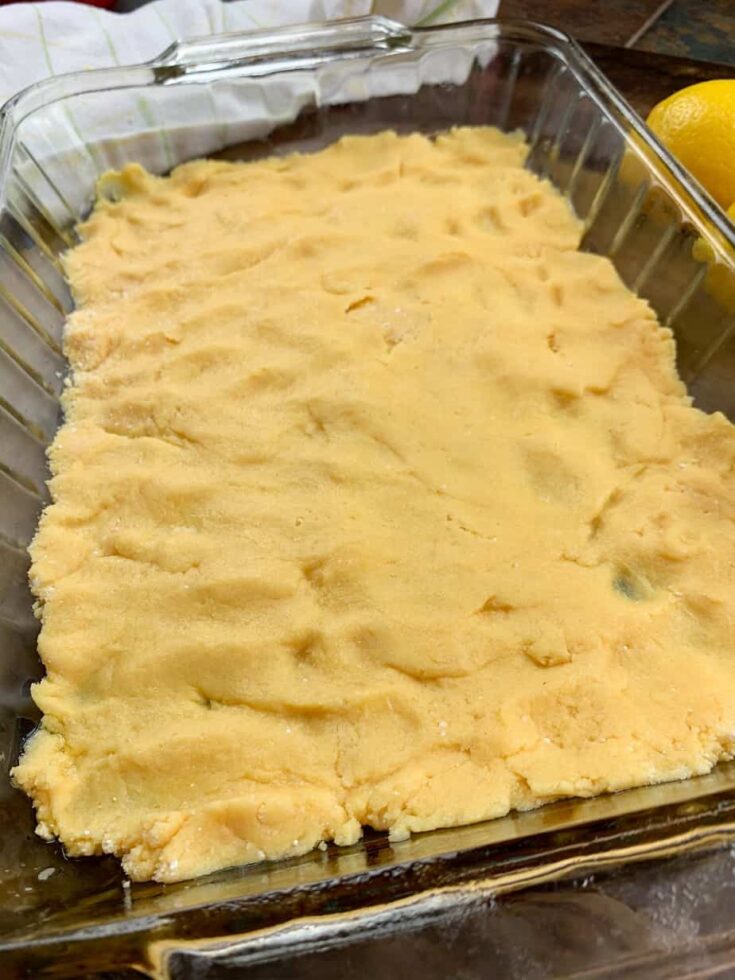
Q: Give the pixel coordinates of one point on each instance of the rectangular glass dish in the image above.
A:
(242, 97)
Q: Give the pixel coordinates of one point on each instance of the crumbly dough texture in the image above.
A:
(377, 503)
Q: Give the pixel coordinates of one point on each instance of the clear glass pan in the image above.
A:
(244, 96)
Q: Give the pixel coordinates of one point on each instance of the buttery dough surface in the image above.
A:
(377, 503)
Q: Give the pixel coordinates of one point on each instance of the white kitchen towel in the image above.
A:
(42, 39)
(62, 147)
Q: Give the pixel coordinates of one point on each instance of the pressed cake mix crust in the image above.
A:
(377, 503)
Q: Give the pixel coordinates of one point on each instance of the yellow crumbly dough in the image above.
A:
(377, 503)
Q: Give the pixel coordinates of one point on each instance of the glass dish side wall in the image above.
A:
(244, 97)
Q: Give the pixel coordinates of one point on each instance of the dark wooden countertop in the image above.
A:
(647, 48)
(703, 30)
(644, 77)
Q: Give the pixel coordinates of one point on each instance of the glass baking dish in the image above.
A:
(243, 96)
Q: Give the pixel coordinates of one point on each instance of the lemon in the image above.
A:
(719, 279)
(698, 125)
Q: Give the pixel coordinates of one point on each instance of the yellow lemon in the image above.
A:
(719, 280)
(698, 125)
